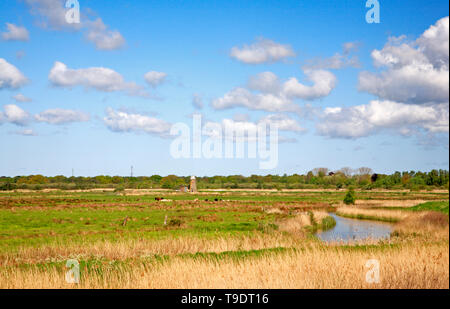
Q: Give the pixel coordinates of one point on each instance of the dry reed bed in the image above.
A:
(296, 225)
(386, 203)
(408, 266)
(428, 225)
(122, 250)
(380, 214)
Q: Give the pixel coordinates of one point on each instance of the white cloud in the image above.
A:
(284, 122)
(434, 43)
(338, 60)
(323, 83)
(25, 132)
(365, 120)
(274, 96)
(415, 72)
(349, 47)
(266, 82)
(263, 50)
(20, 98)
(15, 33)
(154, 79)
(197, 101)
(52, 15)
(10, 76)
(123, 121)
(14, 114)
(102, 37)
(250, 129)
(61, 116)
(99, 78)
(242, 97)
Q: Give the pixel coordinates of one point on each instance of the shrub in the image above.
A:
(119, 189)
(8, 186)
(266, 227)
(175, 222)
(350, 197)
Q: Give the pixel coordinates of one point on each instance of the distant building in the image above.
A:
(374, 177)
(193, 185)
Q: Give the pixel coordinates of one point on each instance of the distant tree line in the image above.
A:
(362, 178)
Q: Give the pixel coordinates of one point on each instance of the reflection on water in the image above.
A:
(347, 230)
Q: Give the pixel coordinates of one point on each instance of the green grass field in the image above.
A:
(441, 206)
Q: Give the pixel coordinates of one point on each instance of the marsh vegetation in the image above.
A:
(226, 239)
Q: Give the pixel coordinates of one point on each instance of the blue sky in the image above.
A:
(191, 42)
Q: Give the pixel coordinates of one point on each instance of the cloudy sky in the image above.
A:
(101, 95)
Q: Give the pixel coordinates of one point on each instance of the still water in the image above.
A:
(348, 230)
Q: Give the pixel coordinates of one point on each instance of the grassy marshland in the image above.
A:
(243, 240)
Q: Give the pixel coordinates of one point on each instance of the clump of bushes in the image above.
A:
(328, 223)
(267, 227)
(119, 189)
(350, 197)
(8, 186)
(175, 222)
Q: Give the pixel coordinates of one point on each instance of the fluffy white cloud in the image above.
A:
(323, 83)
(338, 60)
(274, 96)
(10, 76)
(15, 33)
(99, 78)
(266, 82)
(263, 50)
(283, 122)
(242, 97)
(249, 129)
(52, 15)
(434, 43)
(102, 37)
(415, 72)
(61, 116)
(154, 79)
(14, 114)
(364, 120)
(123, 121)
(21, 98)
